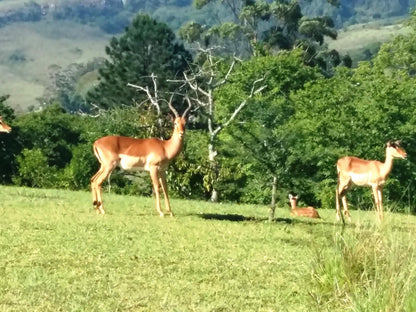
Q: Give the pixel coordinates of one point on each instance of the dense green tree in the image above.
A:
(250, 140)
(257, 27)
(34, 170)
(147, 47)
(398, 55)
(52, 131)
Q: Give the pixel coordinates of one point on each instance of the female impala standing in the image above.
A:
(356, 171)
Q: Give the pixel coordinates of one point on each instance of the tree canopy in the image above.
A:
(259, 27)
(147, 47)
(267, 116)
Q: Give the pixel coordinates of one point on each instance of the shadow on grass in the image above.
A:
(239, 218)
(228, 217)
(281, 220)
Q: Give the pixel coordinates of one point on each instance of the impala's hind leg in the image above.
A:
(338, 207)
(345, 205)
(94, 188)
(341, 195)
(96, 182)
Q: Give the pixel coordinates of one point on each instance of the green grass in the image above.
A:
(56, 254)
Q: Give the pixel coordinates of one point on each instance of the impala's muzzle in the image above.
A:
(403, 154)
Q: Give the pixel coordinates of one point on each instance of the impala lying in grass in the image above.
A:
(309, 212)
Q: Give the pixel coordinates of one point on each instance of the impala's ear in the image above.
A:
(293, 195)
(394, 144)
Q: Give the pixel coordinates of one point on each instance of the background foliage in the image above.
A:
(295, 129)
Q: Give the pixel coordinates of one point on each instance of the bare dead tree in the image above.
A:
(203, 82)
(153, 98)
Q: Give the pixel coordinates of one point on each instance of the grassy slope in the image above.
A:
(359, 36)
(43, 44)
(57, 255)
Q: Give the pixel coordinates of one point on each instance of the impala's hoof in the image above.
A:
(99, 210)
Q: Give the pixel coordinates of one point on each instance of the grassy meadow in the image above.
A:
(58, 255)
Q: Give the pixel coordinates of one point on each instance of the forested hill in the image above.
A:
(98, 11)
(77, 31)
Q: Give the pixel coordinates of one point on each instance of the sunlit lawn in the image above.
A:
(58, 255)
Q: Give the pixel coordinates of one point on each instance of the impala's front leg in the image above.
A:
(162, 175)
(155, 181)
(378, 201)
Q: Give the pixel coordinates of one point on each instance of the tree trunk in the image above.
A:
(212, 153)
(273, 202)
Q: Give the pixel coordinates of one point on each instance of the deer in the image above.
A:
(4, 127)
(309, 212)
(150, 154)
(371, 173)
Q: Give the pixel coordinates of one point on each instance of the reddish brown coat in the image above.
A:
(309, 212)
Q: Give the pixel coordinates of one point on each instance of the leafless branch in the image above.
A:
(154, 99)
(227, 75)
(253, 92)
(96, 107)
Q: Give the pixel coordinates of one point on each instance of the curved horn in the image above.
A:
(171, 107)
(189, 107)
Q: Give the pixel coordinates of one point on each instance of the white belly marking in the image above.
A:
(361, 179)
(130, 162)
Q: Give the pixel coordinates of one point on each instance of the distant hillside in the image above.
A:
(29, 51)
(37, 36)
(348, 12)
(352, 12)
